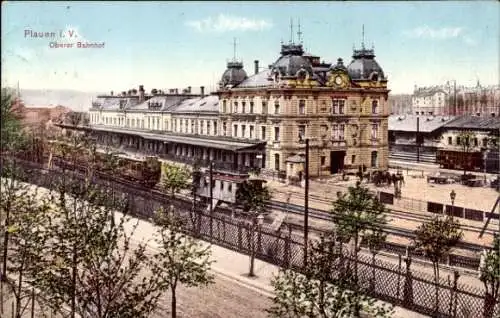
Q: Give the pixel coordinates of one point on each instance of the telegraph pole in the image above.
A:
(306, 204)
(418, 144)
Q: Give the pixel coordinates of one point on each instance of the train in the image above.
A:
(470, 161)
(144, 171)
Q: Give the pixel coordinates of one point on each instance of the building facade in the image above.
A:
(262, 121)
(429, 101)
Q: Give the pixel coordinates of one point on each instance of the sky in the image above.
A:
(178, 44)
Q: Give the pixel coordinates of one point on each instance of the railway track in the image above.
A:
(396, 213)
(389, 229)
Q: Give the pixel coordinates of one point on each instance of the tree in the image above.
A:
(324, 290)
(89, 261)
(180, 259)
(358, 214)
(26, 241)
(436, 238)
(10, 124)
(252, 195)
(175, 178)
(466, 137)
(489, 274)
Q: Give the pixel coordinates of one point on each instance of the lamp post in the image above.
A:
(306, 203)
(257, 222)
(453, 195)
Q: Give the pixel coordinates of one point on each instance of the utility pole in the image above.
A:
(418, 143)
(455, 97)
(211, 177)
(306, 204)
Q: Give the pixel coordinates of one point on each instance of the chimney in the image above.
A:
(202, 90)
(189, 90)
(256, 63)
(141, 93)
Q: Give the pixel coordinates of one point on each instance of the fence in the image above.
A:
(398, 284)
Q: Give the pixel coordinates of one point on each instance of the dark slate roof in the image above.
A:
(257, 80)
(409, 122)
(113, 102)
(364, 65)
(224, 143)
(233, 75)
(166, 102)
(474, 122)
(208, 103)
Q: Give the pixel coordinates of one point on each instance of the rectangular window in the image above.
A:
(224, 128)
(323, 160)
(276, 107)
(243, 106)
(458, 141)
(215, 128)
(263, 132)
(450, 141)
(335, 106)
(324, 130)
(302, 132)
(235, 130)
(276, 162)
(230, 187)
(374, 131)
(264, 107)
(341, 106)
(208, 127)
(224, 106)
(335, 132)
(341, 131)
(222, 185)
(375, 107)
(353, 159)
(475, 142)
(251, 107)
(485, 141)
(235, 108)
(192, 126)
(251, 132)
(186, 126)
(302, 107)
(276, 134)
(243, 131)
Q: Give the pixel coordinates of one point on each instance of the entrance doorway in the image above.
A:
(336, 161)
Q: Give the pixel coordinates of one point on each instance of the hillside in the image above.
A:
(75, 100)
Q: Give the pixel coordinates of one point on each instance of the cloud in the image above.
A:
(224, 23)
(426, 32)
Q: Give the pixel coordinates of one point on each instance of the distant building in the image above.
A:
(454, 100)
(429, 101)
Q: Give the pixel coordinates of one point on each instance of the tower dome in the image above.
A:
(233, 75)
(291, 62)
(364, 66)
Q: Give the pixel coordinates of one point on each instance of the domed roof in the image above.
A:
(364, 66)
(233, 75)
(292, 61)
